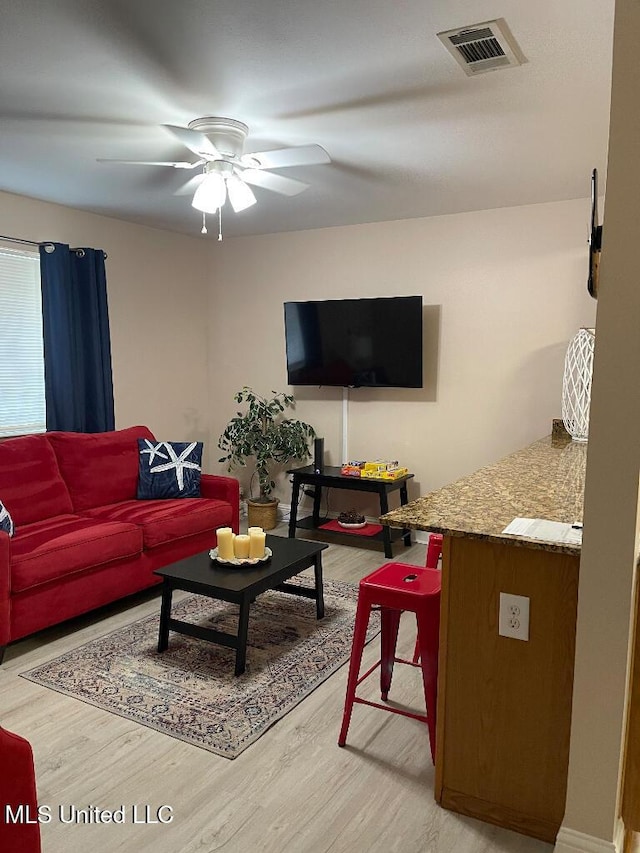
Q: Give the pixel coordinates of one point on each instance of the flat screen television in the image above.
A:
(357, 343)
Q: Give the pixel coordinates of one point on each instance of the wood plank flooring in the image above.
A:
(293, 791)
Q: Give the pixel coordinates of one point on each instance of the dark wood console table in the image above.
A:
(332, 478)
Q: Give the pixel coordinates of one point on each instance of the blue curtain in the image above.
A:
(77, 346)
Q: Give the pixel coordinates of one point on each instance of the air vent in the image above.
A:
(483, 47)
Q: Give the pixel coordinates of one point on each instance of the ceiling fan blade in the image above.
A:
(276, 183)
(300, 155)
(175, 164)
(194, 141)
(191, 185)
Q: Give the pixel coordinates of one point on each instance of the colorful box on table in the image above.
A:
(381, 465)
(352, 469)
(377, 469)
(385, 474)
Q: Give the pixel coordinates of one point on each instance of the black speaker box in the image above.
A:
(318, 455)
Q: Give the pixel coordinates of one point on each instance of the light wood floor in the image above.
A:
(293, 791)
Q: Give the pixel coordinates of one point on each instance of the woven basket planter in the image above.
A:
(576, 384)
(264, 515)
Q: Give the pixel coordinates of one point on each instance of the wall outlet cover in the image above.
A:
(513, 616)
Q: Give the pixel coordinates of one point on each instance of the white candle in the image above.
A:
(251, 530)
(225, 537)
(256, 543)
(241, 546)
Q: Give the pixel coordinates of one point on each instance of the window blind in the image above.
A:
(22, 402)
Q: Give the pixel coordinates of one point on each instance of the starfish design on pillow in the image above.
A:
(153, 450)
(178, 462)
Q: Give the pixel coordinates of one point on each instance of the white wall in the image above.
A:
(504, 292)
(158, 296)
(610, 542)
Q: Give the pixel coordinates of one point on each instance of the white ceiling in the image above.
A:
(408, 133)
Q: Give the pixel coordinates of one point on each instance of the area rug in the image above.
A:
(190, 692)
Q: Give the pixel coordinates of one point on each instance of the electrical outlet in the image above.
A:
(513, 616)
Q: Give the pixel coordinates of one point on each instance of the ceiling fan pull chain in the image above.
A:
(204, 223)
(220, 224)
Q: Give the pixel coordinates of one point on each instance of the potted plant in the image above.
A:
(263, 432)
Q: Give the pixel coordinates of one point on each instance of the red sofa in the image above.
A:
(19, 828)
(81, 538)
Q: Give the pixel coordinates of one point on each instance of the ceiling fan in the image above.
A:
(225, 172)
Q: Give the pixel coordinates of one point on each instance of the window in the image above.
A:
(22, 406)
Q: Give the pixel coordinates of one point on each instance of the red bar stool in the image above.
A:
(434, 549)
(396, 587)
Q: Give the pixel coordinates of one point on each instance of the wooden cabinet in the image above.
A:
(504, 705)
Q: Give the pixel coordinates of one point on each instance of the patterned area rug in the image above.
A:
(190, 692)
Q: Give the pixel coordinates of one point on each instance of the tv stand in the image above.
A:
(332, 478)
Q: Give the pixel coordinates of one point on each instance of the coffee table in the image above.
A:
(240, 586)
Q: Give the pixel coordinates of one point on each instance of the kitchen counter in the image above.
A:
(504, 704)
(544, 480)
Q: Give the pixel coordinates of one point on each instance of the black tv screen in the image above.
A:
(355, 342)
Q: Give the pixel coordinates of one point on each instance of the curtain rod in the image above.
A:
(20, 240)
(48, 244)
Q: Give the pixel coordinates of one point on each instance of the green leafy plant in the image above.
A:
(263, 433)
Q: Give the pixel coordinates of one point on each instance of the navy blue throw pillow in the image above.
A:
(169, 469)
(6, 522)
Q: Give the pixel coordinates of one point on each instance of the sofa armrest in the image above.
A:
(224, 489)
(5, 587)
(17, 792)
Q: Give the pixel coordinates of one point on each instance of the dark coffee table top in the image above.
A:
(201, 574)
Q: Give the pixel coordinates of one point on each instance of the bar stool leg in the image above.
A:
(428, 629)
(416, 651)
(359, 636)
(390, 622)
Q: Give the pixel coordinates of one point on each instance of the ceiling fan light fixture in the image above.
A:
(211, 194)
(240, 195)
(218, 143)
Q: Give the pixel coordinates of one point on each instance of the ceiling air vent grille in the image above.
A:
(483, 47)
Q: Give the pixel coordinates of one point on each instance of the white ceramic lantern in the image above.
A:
(576, 384)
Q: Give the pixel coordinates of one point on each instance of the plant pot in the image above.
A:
(261, 514)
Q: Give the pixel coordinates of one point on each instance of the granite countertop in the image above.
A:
(544, 480)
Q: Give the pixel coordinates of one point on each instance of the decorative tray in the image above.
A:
(357, 526)
(241, 564)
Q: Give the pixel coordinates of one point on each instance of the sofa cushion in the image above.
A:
(6, 522)
(31, 486)
(169, 469)
(164, 520)
(99, 468)
(56, 547)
